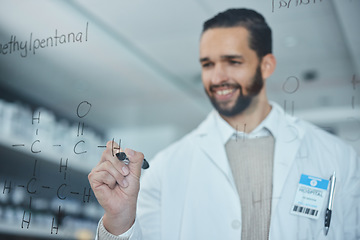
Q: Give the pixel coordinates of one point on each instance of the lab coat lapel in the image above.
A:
(209, 142)
(287, 145)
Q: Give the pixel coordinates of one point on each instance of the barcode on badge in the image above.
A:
(304, 210)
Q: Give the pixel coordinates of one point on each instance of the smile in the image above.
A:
(225, 91)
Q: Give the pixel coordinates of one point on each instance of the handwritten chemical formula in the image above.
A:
(54, 182)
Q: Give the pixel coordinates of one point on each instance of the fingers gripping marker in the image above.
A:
(122, 157)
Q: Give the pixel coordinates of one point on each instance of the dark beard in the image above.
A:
(242, 101)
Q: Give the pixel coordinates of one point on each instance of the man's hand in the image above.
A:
(116, 187)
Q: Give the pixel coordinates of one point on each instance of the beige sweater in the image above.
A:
(251, 162)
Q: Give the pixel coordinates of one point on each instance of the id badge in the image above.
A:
(310, 196)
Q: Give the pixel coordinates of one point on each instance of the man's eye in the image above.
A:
(206, 65)
(233, 62)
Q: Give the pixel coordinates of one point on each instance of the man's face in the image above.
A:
(231, 71)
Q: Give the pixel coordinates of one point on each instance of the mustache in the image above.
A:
(214, 87)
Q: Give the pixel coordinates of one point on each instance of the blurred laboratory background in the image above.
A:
(75, 74)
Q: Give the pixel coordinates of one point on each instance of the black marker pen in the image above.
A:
(122, 157)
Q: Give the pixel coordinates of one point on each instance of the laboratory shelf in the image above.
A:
(37, 231)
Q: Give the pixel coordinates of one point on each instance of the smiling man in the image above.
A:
(209, 184)
(233, 74)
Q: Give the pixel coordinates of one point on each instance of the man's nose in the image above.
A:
(219, 74)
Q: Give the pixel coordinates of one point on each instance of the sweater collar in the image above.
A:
(266, 128)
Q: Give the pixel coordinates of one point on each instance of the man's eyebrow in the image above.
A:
(226, 57)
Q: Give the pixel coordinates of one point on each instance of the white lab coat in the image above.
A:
(189, 192)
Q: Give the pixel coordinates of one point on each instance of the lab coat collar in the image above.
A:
(268, 126)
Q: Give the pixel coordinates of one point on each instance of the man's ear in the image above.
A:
(268, 65)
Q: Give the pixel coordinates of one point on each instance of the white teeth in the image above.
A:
(223, 92)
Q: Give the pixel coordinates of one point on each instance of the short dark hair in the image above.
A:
(260, 39)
